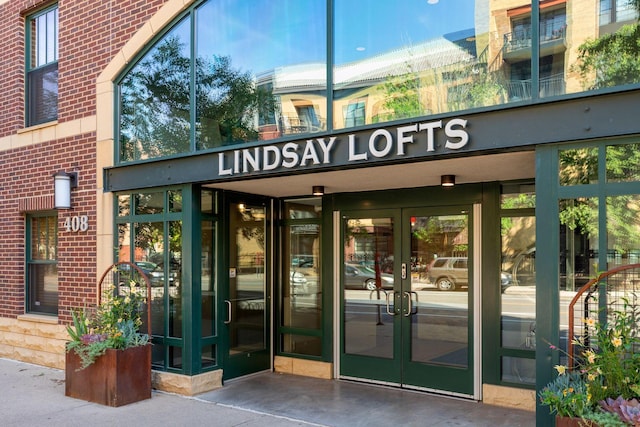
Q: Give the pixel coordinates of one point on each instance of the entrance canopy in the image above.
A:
(496, 167)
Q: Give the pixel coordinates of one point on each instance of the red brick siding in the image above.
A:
(91, 33)
(28, 173)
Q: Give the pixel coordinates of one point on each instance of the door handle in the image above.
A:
(229, 315)
(392, 313)
(410, 311)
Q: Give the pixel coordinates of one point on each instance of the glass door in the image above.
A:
(246, 303)
(406, 298)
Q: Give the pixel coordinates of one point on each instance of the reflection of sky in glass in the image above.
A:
(365, 29)
(263, 34)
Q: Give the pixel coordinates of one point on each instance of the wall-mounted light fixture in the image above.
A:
(63, 183)
(318, 190)
(448, 180)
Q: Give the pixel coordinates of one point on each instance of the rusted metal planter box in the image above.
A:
(117, 378)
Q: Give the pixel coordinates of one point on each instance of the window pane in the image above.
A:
(43, 288)
(155, 101)
(43, 94)
(518, 370)
(174, 278)
(149, 203)
(301, 344)
(208, 201)
(42, 268)
(124, 205)
(623, 163)
(623, 230)
(518, 282)
(578, 242)
(578, 166)
(175, 201)
(393, 64)
(260, 78)
(208, 357)
(44, 237)
(578, 41)
(207, 279)
(303, 208)
(301, 290)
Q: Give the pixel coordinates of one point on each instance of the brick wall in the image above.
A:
(90, 34)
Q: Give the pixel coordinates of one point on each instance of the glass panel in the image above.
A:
(208, 356)
(154, 100)
(518, 283)
(579, 50)
(300, 344)
(148, 251)
(43, 94)
(207, 279)
(208, 202)
(247, 280)
(124, 205)
(175, 357)
(518, 370)
(518, 196)
(623, 230)
(303, 208)
(44, 238)
(578, 166)
(393, 64)
(302, 293)
(367, 280)
(158, 355)
(439, 261)
(623, 163)
(175, 200)
(43, 288)
(44, 38)
(578, 242)
(259, 78)
(149, 203)
(175, 278)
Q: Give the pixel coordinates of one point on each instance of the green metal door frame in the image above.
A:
(399, 369)
(251, 361)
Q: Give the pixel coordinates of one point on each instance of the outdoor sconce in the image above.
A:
(448, 180)
(318, 190)
(63, 183)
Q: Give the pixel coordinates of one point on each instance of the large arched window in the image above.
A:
(227, 73)
(233, 72)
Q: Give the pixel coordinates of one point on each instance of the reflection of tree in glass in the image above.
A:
(228, 103)
(578, 166)
(155, 103)
(612, 59)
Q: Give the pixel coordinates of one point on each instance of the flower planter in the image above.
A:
(117, 378)
(573, 422)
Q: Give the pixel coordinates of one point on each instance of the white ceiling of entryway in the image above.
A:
(494, 167)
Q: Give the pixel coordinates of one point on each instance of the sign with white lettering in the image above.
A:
(380, 144)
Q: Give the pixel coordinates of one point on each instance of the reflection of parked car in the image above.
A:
(448, 273)
(358, 276)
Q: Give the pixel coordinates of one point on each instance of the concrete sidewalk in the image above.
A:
(33, 395)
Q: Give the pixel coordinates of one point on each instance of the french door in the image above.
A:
(406, 298)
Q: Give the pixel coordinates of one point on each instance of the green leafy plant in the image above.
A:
(114, 323)
(607, 376)
(567, 394)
